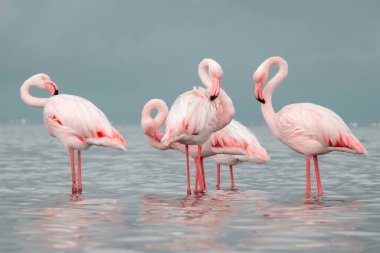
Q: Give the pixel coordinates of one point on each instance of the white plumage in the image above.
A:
(78, 123)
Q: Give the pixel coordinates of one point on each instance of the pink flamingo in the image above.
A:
(196, 114)
(234, 139)
(306, 128)
(77, 122)
(251, 150)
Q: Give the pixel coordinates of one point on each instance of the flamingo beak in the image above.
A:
(259, 92)
(52, 87)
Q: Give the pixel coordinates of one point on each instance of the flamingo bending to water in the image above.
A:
(252, 151)
(234, 141)
(77, 122)
(196, 114)
(306, 128)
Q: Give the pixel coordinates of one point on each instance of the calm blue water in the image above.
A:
(135, 201)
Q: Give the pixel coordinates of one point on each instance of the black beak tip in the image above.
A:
(261, 100)
(213, 97)
(56, 92)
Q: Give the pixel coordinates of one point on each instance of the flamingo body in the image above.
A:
(311, 130)
(237, 140)
(307, 128)
(192, 118)
(78, 123)
(234, 138)
(196, 114)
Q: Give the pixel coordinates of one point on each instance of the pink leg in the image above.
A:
(196, 175)
(201, 180)
(319, 184)
(188, 170)
(74, 185)
(203, 173)
(79, 172)
(218, 176)
(232, 177)
(308, 186)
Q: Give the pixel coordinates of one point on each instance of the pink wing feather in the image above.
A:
(238, 138)
(299, 123)
(192, 114)
(79, 123)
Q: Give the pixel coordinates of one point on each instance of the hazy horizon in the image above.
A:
(120, 54)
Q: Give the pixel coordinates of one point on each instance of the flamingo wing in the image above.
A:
(300, 123)
(72, 118)
(192, 114)
(237, 139)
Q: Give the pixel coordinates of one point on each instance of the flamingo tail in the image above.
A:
(115, 141)
(356, 145)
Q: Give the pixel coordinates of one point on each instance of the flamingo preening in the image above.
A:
(242, 138)
(198, 113)
(306, 128)
(77, 122)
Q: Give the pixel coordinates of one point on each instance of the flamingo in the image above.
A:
(308, 129)
(251, 150)
(77, 122)
(234, 139)
(196, 114)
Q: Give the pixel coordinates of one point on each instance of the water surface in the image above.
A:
(135, 201)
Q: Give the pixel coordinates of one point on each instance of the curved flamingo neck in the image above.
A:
(29, 99)
(151, 126)
(227, 110)
(267, 108)
(162, 111)
(203, 72)
(208, 70)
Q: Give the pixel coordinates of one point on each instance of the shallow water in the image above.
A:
(135, 201)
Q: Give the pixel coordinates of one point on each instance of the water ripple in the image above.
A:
(135, 201)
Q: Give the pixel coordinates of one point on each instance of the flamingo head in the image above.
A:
(260, 78)
(216, 74)
(43, 81)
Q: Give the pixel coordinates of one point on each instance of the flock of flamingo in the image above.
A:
(200, 124)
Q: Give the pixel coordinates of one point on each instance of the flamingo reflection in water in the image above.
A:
(202, 216)
(75, 225)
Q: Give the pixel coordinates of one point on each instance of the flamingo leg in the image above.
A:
(79, 172)
(72, 159)
(218, 176)
(188, 170)
(232, 177)
(196, 175)
(201, 180)
(308, 186)
(203, 173)
(319, 184)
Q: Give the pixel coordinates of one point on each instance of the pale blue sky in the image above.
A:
(120, 54)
